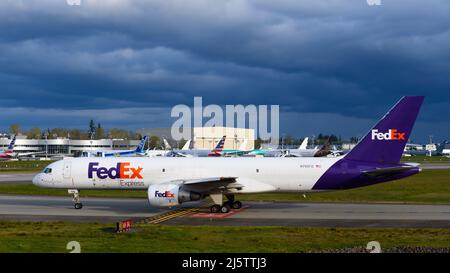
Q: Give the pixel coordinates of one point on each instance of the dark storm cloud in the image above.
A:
(343, 58)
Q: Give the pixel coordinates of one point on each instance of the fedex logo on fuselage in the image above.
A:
(166, 194)
(122, 171)
(392, 134)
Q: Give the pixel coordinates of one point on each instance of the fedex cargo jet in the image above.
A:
(172, 181)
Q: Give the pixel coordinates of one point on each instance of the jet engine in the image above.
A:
(169, 195)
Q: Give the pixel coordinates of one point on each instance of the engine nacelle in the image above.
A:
(169, 195)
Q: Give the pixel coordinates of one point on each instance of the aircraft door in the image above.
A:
(67, 172)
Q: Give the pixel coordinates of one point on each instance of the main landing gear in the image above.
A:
(76, 199)
(226, 206)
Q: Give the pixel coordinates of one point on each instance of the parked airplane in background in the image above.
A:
(166, 144)
(231, 152)
(118, 153)
(186, 152)
(167, 152)
(414, 151)
(217, 151)
(302, 151)
(276, 152)
(10, 154)
(336, 152)
(173, 181)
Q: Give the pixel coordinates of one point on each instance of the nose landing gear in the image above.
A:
(76, 199)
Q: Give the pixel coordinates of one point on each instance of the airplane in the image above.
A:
(186, 145)
(170, 182)
(186, 152)
(118, 153)
(218, 150)
(275, 152)
(166, 144)
(438, 152)
(231, 152)
(10, 154)
(167, 152)
(334, 152)
(302, 151)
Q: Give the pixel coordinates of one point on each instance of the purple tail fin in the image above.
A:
(386, 141)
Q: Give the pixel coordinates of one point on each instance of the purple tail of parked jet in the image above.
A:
(376, 157)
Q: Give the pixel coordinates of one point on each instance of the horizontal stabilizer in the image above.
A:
(388, 171)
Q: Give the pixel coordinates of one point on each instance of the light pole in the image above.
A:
(46, 145)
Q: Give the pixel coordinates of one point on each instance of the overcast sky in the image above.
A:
(333, 66)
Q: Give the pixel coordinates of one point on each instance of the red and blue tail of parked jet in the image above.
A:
(217, 151)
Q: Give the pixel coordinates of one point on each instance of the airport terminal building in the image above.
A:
(204, 138)
(66, 147)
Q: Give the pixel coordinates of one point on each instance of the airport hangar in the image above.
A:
(207, 137)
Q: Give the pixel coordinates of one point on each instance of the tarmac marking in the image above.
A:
(169, 215)
(217, 215)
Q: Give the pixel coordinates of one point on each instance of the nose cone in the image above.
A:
(37, 179)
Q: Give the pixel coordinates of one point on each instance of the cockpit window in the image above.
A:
(48, 170)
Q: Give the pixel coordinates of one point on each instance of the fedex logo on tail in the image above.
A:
(122, 170)
(392, 134)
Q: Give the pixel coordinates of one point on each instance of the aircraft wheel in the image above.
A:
(78, 206)
(225, 208)
(237, 205)
(214, 208)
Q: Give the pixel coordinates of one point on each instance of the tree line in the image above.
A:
(94, 131)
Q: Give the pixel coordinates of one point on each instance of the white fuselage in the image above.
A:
(255, 174)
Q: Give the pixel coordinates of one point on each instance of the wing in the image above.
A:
(213, 184)
(28, 154)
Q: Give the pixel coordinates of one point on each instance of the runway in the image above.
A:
(16, 178)
(435, 166)
(43, 208)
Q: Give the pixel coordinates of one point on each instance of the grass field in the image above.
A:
(23, 166)
(430, 186)
(426, 159)
(53, 237)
